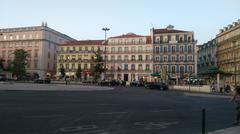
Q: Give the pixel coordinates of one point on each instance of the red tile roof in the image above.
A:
(165, 30)
(128, 35)
(84, 42)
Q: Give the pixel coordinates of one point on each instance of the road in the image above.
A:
(119, 111)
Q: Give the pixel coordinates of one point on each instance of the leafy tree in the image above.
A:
(20, 61)
(79, 72)
(62, 71)
(1, 64)
(98, 69)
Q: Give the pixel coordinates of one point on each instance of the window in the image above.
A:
(86, 48)
(189, 48)
(80, 49)
(126, 49)
(181, 49)
(119, 57)
(140, 67)
(85, 66)
(112, 49)
(126, 57)
(125, 67)
(133, 67)
(173, 49)
(133, 41)
(181, 69)
(147, 67)
(133, 58)
(4, 37)
(67, 49)
(28, 64)
(181, 58)
(157, 50)
(79, 57)
(112, 57)
(133, 49)
(92, 49)
(173, 58)
(140, 41)
(120, 49)
(147, 57)
(164, 49)
(173, 69)
(189, 58)
(140, 57)
(73, 66)
(190, 69)
(140, 49)
(74, 49)
(157, 58)
(165, 58)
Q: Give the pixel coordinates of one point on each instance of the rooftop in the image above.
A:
(84, 42)
(128, 35)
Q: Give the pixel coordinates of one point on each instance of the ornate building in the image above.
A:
(129, 57)
(174, 52)
(78, 54)
(207, 56)
(228, 51)
(41, 42)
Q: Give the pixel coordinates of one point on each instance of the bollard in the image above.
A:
(203, 120)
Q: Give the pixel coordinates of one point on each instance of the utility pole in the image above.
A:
(105, 29)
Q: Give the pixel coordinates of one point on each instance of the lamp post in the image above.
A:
(105, 29)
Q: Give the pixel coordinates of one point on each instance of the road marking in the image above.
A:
(100, 131)
(163, 110)
(114, 113)
(207, 95)
(155, 125)
(44, 116)
(78, 128)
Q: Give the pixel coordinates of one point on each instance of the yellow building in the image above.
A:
(75, 54)
(228, 51)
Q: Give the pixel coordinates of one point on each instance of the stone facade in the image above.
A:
(78, 54)
(174, 52)
(129, 57)
(41, 42)
(207, 56)
(228, 51)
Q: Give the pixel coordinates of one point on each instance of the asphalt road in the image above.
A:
(119, 111)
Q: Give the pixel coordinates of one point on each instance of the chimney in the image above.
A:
(46, 24)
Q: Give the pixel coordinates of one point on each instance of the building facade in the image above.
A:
(207, 56)
(173, 52)
(228, 51)
(41, 43)
(78, 54)
(129, 57)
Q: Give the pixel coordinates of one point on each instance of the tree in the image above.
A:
(98, 69)
(19, 63)
(1, 64)
(62, 71)
(79, 72)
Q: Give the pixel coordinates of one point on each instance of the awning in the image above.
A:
(156, 74)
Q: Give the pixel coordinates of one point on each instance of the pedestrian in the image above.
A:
(236, 99)
(66, 80)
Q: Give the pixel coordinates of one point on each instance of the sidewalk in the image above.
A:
(231, 130)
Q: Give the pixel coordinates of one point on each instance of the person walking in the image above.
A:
(236, 99)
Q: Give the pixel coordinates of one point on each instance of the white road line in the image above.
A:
(206, 95)
(78, 128)
(44, 116)
(109, 113)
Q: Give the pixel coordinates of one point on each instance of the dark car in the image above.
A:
(3, 78)
(155, 85)
(43, 81)
(136, 83)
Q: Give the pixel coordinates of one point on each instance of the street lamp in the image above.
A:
(105, 29)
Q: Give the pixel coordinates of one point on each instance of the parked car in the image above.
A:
(136, 83)
(155, 85)
(3, 78)
(43, 81)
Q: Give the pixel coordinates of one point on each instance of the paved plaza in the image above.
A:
(78, 109)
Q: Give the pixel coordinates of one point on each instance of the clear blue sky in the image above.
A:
(83, 19)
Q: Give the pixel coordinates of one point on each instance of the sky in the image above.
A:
(84, 19)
